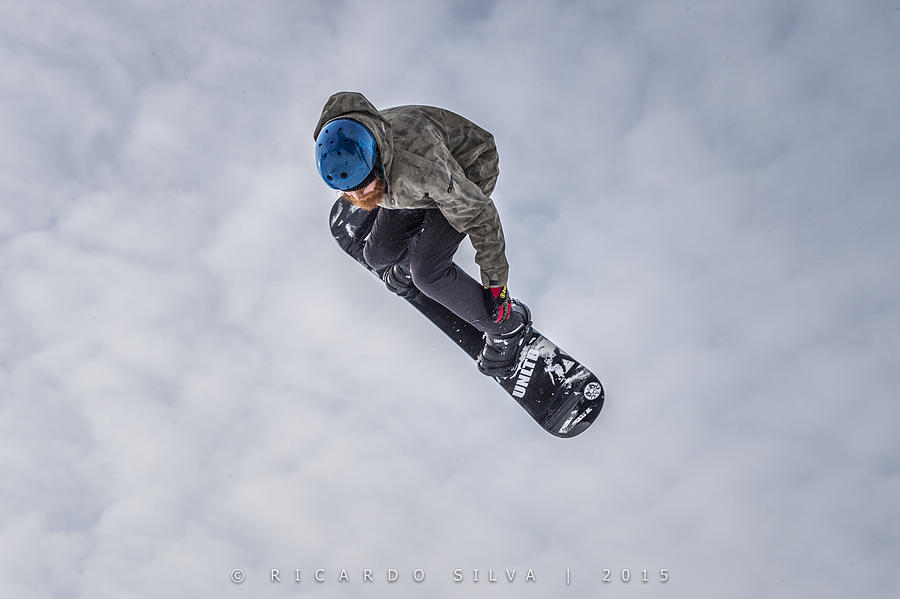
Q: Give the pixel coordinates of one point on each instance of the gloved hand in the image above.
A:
(497, 301)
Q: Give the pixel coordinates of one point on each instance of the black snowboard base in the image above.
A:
(560, 394)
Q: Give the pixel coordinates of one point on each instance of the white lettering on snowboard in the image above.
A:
(525, 373)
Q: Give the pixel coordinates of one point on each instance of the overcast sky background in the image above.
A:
(700, 202)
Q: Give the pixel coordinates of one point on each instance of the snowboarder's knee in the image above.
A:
(426, 279)
(375, 257)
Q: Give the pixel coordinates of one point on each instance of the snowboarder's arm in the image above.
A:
(470, 211)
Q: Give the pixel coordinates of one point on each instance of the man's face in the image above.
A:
(360, 193)
(368, 197)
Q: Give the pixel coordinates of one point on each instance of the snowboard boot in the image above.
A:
(399, 280)
(500, 355)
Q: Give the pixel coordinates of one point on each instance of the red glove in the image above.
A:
(497, 301)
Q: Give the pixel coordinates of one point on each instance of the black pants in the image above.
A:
(426, 242)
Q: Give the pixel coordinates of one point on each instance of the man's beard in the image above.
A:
(369, 201)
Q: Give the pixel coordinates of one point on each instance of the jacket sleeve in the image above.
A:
(470, 211)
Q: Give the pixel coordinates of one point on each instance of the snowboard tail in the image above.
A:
(559, 393)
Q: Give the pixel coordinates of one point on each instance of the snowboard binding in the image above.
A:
(398, 279)
(500, 355)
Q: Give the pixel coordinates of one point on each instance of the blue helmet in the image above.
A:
(345, 154)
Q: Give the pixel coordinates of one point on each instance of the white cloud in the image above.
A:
(699, 204)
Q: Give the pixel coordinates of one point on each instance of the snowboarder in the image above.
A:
(431, 173)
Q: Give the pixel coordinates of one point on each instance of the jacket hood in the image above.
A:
(354, 105)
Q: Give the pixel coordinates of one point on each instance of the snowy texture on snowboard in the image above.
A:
(561, 395)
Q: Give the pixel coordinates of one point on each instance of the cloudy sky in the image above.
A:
(700, 202)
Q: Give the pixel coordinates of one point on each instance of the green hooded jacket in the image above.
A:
(434, 158)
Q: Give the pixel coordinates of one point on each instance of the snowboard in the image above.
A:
(559, 393)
